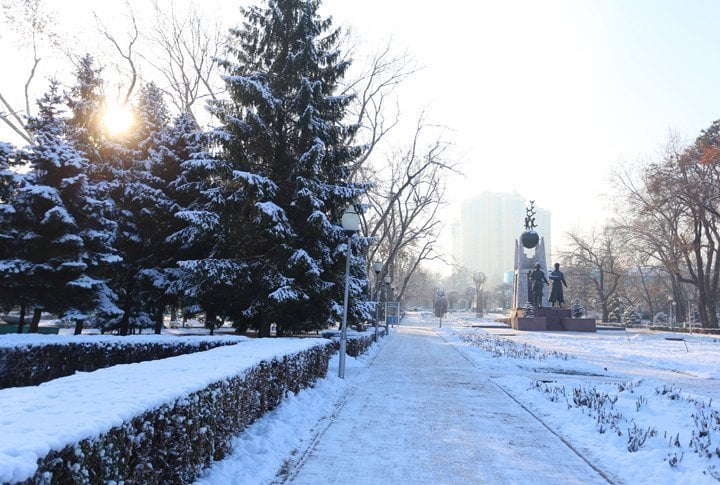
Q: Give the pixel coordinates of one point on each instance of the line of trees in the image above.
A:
(661, 252)
(238, 221)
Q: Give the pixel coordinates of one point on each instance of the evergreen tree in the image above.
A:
(86, 101)
(53, 221)
(281, 177)
(141, 212)
(161, 148)
(630, 317)
(10, 181)
(182, 142)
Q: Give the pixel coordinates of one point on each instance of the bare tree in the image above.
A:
(30, 21)
(176, 47)
(189, 44)
(404, 204)
(375, 110)
(651, 232)
(125, 49)
(594, 259)
(671, 212)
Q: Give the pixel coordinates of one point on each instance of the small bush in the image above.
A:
(660, 317)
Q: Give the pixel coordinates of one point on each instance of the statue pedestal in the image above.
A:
(553, 319)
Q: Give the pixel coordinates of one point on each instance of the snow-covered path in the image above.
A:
(421, 413)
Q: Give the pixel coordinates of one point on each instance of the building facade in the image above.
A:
(484, 237)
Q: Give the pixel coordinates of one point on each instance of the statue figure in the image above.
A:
(537, 280)
(558, 280)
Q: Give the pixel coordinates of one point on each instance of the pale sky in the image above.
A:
(547, 95)
(542, 97)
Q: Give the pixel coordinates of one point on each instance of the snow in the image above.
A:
(113, 395)
(274, 211)
(265, 445)
(302, 258)
(43, 191)
(287, 293)
(277, 439)
(25, 340)
(658, 384)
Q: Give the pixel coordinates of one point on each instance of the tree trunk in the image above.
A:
(159, 316)
(78, 327)
(125, 322)
(706, 309)
(605, 312)
(264, 330)
(21, 320)
(210, 320)
(240, 328)
(35, 322)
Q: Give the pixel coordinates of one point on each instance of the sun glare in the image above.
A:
(117, 119)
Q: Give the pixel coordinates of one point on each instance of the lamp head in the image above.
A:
(350, 221)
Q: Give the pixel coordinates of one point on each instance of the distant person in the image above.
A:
(440, 305)
(558, 280)
(537, 280)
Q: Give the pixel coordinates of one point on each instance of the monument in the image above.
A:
(530, 310)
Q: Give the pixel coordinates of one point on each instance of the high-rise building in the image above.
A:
(484, 238)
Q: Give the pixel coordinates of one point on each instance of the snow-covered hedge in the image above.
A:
(164, 426)
(359, 344)
(28, 360)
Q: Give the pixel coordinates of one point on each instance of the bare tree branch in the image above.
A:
(126, 54)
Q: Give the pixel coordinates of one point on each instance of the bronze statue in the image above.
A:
(537, 280)
(558, 280)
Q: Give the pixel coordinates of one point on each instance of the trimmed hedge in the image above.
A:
(173, 443)
(356, 346)
(34, 364)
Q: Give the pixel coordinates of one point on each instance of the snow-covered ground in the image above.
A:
(641, 390)
(645, 375)
(602, 393)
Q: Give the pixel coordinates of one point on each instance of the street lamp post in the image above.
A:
(351, 224)
(672, 312)
(388, 280)
(377, 268)
(479, 279)
(396, 317)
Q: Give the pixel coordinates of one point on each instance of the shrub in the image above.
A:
(173, 443)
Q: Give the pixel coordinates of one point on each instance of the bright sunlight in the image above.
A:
(117, 119)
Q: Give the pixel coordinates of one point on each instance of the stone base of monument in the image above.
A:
(551, 318)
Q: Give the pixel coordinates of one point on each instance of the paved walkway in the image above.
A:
(423, 414)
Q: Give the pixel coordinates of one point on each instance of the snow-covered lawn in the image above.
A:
(639, 405)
